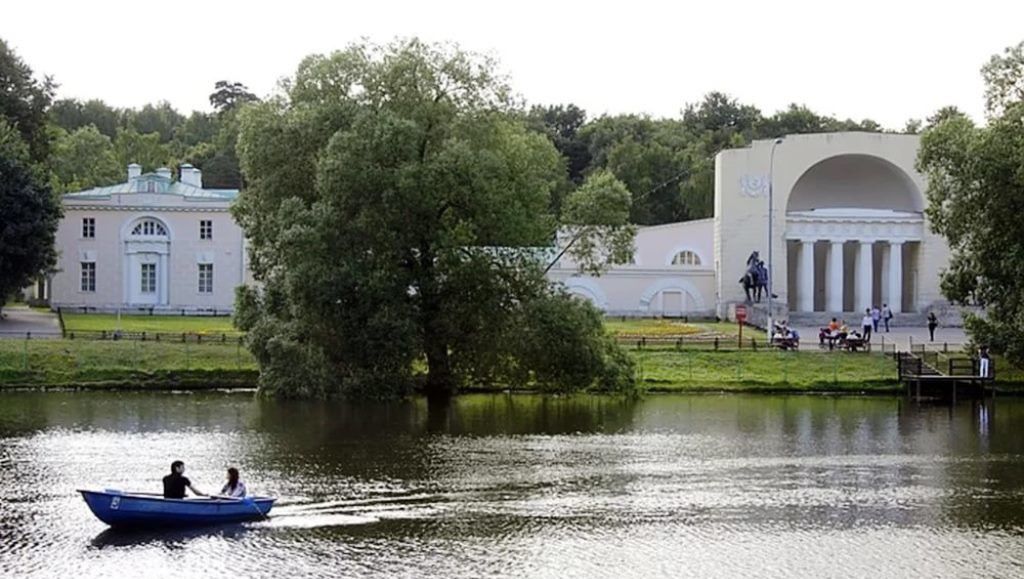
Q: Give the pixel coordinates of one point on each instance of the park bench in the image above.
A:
(786, 344)
(855, 345)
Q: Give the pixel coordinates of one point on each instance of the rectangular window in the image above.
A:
(89, 227)
(148, 278)
(88, 276)
(206, 278)
(205, 229)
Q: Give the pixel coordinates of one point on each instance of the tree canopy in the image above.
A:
(24, 101)
(30, 213)
(397, 209)
(975, 199)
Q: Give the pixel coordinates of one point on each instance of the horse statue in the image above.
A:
(755, 278)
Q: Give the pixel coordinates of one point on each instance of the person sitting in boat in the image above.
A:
(175, 483)
(234, 488)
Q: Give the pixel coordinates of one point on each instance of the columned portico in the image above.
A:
(863, 229)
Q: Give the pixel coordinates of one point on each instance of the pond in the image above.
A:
(525, 486)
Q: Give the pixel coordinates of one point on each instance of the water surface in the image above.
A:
(524, 486)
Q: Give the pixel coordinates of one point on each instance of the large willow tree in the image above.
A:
(394, 211)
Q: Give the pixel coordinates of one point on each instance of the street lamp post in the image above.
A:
(771, 205)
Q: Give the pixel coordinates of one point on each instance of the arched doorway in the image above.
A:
(147, 247)
(853, 227)
(671, 298)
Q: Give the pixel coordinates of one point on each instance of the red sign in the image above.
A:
(741, 313)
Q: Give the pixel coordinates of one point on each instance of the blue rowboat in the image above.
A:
(120, 509)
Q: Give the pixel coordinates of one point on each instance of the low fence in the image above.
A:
(181, 337)
(146, 311)
(713, 343)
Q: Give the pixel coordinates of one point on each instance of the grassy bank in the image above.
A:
(161, 324)
(131, 363)
(105, 364)
(661, 366)
(676, 371)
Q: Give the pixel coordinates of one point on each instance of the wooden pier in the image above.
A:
(925, 376)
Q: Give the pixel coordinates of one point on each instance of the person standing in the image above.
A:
(933, 323)
(866, 324)
(886, 315)
(876, 316)
(984, 362)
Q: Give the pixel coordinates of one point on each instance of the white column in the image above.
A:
(834, 287)
(883, 271)
(862, 295)
(805, 277)
(896, 276)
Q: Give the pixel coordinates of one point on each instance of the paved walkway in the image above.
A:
(18, 320)
(954, 338)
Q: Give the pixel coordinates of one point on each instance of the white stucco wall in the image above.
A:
(652, 286)
(741, 203)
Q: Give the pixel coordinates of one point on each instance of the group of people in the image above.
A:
(176, 483)
(785, 337)
(838, 333)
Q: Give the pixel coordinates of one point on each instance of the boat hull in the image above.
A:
(134, 510)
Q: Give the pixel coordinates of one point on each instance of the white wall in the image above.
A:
(652, 286)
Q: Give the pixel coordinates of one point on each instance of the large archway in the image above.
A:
(853, 225)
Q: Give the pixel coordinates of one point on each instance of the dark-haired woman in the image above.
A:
(234, 488)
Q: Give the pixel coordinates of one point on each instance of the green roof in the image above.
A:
(160, 185)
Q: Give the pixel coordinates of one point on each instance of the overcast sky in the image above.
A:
(886, 60)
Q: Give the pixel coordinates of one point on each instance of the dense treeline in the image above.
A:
(668, 164)
(92, 142)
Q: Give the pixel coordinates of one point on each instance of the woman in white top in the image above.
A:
(234, 488)
(866, 324)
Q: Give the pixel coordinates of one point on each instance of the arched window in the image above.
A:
(149, 227)
(686, 257)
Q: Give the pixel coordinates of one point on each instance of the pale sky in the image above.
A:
(886, 60)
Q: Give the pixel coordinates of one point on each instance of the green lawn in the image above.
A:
(143, 323)
(76, 362)
(747, 370)
(631, 327)
(660, 367)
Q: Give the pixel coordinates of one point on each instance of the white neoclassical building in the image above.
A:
(149, 243)
(848, 233)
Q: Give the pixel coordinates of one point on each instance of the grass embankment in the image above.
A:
(661, 365)
(102, 364)
(666, 370)
(151, 324)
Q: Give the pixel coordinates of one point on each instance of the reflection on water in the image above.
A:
(703, 486)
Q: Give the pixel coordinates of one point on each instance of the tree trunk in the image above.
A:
(440, 380)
